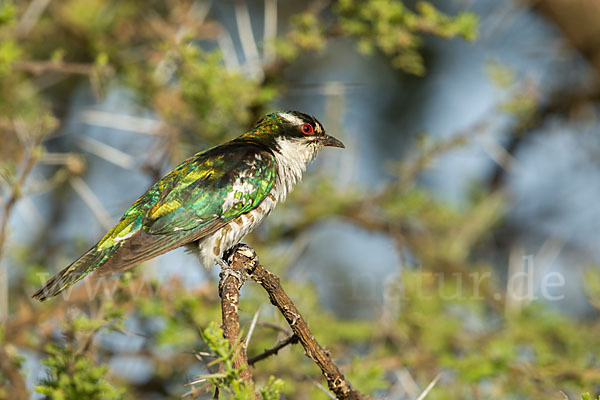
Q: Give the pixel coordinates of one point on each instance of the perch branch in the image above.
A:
(243, 258)
(232, 278)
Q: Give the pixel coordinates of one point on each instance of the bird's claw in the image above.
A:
(226, 263)
(243, 249)
(227, 272)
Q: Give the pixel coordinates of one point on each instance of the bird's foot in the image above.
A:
(238, 270)
(243, 249)
(222, 263)
(227, 271)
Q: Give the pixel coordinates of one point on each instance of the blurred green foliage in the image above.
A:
(75, 376)
(393, 28)
(483, 348)
(586, 396)
(228, 379)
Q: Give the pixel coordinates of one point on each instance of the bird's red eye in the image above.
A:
(307, 129)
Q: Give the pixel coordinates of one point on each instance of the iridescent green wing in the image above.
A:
(194, 200)
(212, 191)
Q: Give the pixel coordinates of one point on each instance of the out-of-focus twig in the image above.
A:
(123, 122)
(106, 152)
(225, 43)
(17, 188)
(10, 371)
(429, 387)
(322, 388)
(274, 327)
(32, 14)
(270, 31)
(92, 201)
(242, 17)
(252, 326)
(292, 339)
(39, 67)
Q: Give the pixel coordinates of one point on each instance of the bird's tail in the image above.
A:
(71, 274)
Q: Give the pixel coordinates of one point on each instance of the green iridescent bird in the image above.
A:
(209, 202)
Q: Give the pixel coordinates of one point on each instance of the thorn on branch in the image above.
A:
(292, 339)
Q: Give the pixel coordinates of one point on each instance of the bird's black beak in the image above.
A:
(327, 140)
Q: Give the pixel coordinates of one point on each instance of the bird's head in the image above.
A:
(294, 133)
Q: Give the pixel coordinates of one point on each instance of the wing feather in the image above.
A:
(198, 197)
(193, 203)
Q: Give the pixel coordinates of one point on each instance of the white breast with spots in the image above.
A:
(292, 157)
(211, 248)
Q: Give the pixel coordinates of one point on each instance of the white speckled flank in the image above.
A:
(241, 185)
(211, 247)
(292, 157)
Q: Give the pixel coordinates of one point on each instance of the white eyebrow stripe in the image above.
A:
(291, 118)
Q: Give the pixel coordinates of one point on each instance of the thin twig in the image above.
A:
(31, 16)
(225, 43)
(429, 387)
(39, 67)
(322, 388)
(86, 341)
(270, 31)
(242, 17)
(407, 383)
(106, 152)
(292, 339)
(11, 372)
(3, 293)
(17, 188)
(273, 326)
(252, 326)
(122, 122)
(91, 200)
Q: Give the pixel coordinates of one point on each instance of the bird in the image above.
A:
(209, 202)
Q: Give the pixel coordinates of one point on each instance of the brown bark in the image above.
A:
(232, 280)
(243, 258)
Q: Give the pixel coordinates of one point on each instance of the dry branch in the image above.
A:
(232, 280)
(243, 258)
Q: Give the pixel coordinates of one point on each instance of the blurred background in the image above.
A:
(456, 236)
